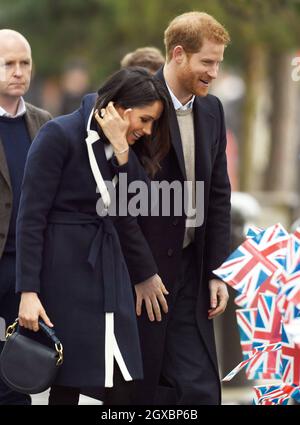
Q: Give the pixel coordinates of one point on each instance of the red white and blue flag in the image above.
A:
(256, 353)
(273, 394)
(246, 324)
(267, 330)
(290, 358)
(265, 271)
(256, 265)
(253, 231)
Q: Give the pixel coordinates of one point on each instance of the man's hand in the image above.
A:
(218, 298)
(152, 292)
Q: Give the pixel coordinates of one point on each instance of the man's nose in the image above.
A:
(213, 71)
(18, 70)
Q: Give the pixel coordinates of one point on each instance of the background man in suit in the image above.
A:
(19, 123)
(178, 348)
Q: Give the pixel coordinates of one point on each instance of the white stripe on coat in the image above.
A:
(112, 349)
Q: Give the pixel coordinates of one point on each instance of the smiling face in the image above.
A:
(141, 120)
(16, 66)
(196, 71)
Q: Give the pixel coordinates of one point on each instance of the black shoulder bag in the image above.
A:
(26, 365)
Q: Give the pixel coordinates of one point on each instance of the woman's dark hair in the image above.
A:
(136, 87)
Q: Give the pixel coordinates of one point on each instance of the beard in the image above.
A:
(190, 82)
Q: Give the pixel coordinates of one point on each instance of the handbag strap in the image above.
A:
(48, 331)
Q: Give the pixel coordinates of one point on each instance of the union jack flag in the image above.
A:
(253, 231)
(246, 323)
(290, 288)
(289, 293)
(290, 358)
(267, 330)
(268, 321)
(293, 253)
(270, 286)
(292, 315)
(265, 366)
(265, 270)
(296, 394)
(273, 394)
(251, 267)
(292, 323)
(297, 233)
(256, 353)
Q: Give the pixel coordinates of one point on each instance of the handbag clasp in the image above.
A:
(11, 328)
(59, 350)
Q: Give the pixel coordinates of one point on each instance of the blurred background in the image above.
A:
(76, 44)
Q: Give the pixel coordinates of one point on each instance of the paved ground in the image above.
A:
(42, 398)
(232, 396)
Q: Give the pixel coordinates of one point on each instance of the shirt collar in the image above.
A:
(20, 111)
(178, 105)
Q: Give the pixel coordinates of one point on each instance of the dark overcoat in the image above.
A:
(72, 257)
(164, 236)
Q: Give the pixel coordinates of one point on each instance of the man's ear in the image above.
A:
(33, 72)
(179, 54)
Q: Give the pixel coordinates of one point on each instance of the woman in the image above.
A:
(70, 268)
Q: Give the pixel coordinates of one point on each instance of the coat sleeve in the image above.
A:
(137, 253)
(132, 168)
(42, 175)
(217, 238)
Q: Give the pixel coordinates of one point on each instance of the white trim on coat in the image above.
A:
(112, 350)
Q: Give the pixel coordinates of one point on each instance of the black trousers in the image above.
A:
(187, 376)
(9, 307)
(187, 368)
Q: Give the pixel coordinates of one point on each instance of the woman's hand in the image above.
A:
(114, 126)
(30, 310)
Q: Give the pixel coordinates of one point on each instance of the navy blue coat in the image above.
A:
(71, 256)
(164, 236)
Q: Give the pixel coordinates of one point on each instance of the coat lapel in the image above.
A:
(204, 123)
(98, 160)
(174, 129)
(32, 122)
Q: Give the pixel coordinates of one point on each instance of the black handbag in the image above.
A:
(27, 366)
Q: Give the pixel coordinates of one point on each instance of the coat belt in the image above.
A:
(105, 247)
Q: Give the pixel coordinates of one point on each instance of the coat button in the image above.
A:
(175, 221)
(8, 205)
(170, 252)
(2, 235)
